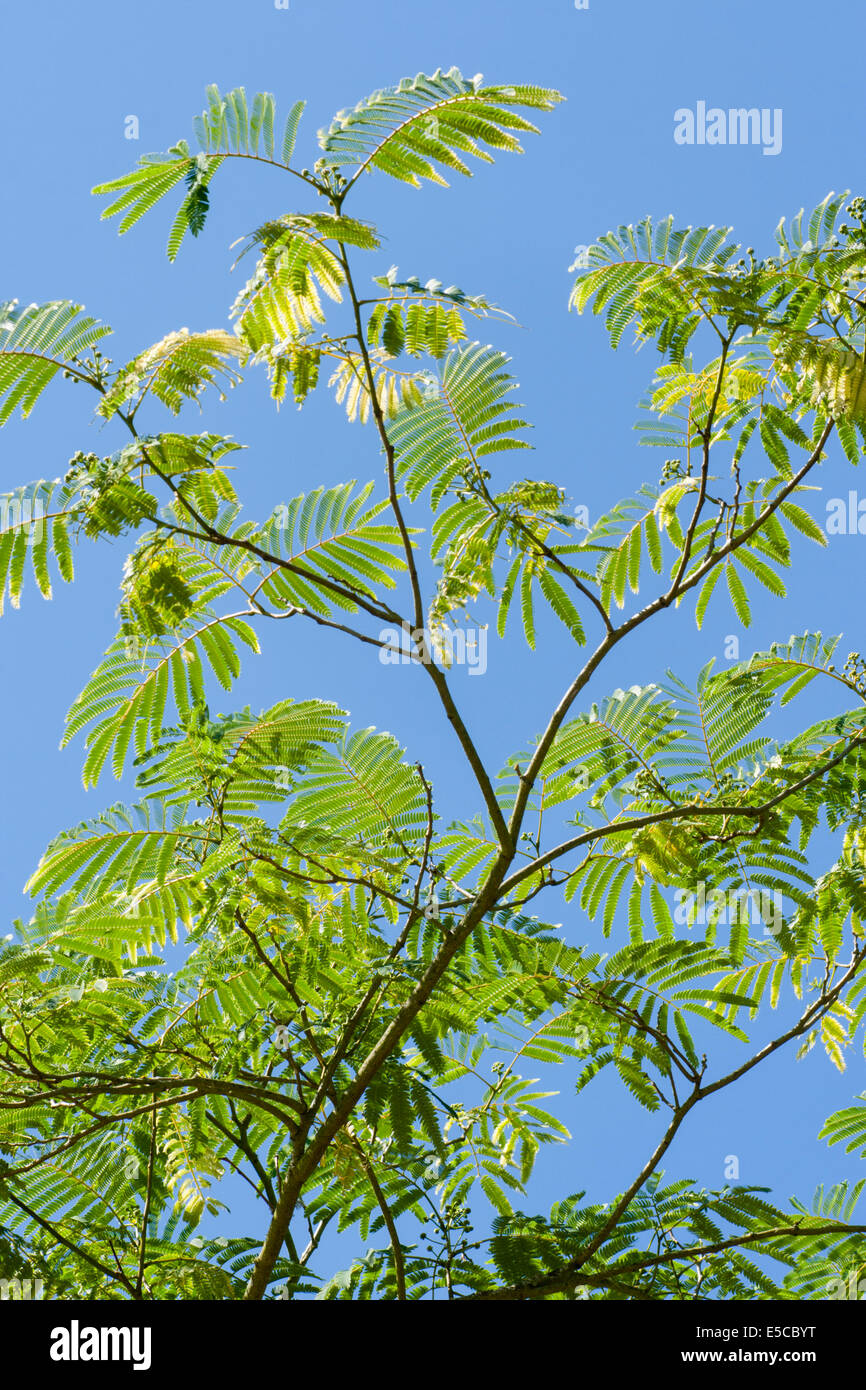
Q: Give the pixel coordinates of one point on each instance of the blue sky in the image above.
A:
(74, 73)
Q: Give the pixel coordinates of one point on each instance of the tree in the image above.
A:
(359, 985)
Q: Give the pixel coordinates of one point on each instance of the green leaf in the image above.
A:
(408, 130)
(737, 591)
(35, 344)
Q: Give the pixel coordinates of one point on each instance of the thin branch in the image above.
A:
(145, 1215)
(117, 1276)
(562, 1282)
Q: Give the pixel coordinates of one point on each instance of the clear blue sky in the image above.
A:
(74, 72)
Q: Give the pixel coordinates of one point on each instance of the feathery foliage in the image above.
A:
(283, 960)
